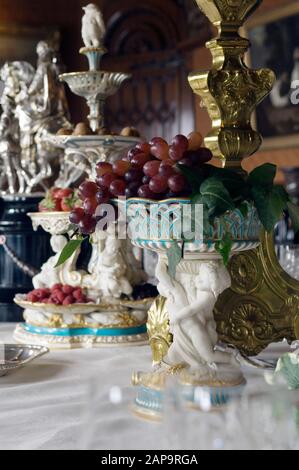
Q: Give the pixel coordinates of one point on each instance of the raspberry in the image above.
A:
(78, 294)
(67, 290)
(56, 291)
(57, 286)
(68, 300)
(38, 293)
(44, 293)
(60, 296)
(31, 297)
(54, 300)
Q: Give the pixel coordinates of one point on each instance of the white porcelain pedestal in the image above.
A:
(108, 319)
(191, 295)
(82, 152)
(193, 357)
(191, 298)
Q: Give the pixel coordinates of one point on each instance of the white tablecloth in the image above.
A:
(42, 405)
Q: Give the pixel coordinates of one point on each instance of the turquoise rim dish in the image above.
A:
(85, 331)
(151, 400)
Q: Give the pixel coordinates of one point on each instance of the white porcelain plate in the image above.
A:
(83, 141)
(81, 309)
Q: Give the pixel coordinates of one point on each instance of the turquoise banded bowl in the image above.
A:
(149, 402)
(155, 224)
(85, 337)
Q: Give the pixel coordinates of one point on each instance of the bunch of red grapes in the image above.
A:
(58, 295)
(148, 171)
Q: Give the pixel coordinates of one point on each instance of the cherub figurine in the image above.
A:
(93, 27)
(108, 268)
(190, 307)
(13, 177)
(34, 105)
(64, 274)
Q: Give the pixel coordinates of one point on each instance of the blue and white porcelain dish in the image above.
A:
(149, 402)
(148, 219)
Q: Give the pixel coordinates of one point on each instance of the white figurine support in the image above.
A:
(113, 268)
(107, 277)
(107, 318)
(58, 225)
(93, 27)
(64, 274)
(191, 298)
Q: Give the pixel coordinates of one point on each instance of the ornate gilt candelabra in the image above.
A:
(230, 90)
(262, 304)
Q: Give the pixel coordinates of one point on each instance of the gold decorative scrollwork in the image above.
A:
(231, 91)
(158, 329)
(267, 311)
(262, 304)
(244, 272)
(261, 307)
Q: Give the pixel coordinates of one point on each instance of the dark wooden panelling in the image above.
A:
(153, 39)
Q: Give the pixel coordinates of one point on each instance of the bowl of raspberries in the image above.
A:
(57, 299)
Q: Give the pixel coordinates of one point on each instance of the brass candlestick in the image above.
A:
(262, 305)
(230, 90)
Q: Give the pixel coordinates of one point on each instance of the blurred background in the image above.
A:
(159, 42)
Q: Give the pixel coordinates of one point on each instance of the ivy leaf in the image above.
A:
(243, 208)
(294, 215)
(288, 366)
(174, 256)
(198, 227)
(224, 247)
(194, 178)
(263, 175)
(270, 204)
(197, 199)
(234, 182)
(216, 197)
(68, 251)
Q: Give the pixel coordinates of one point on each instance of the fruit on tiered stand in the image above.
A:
(105, 302)
(59, 199)
(191, 271)
(149, 170)
(58, 294)
(83, 128)
(113, 271)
